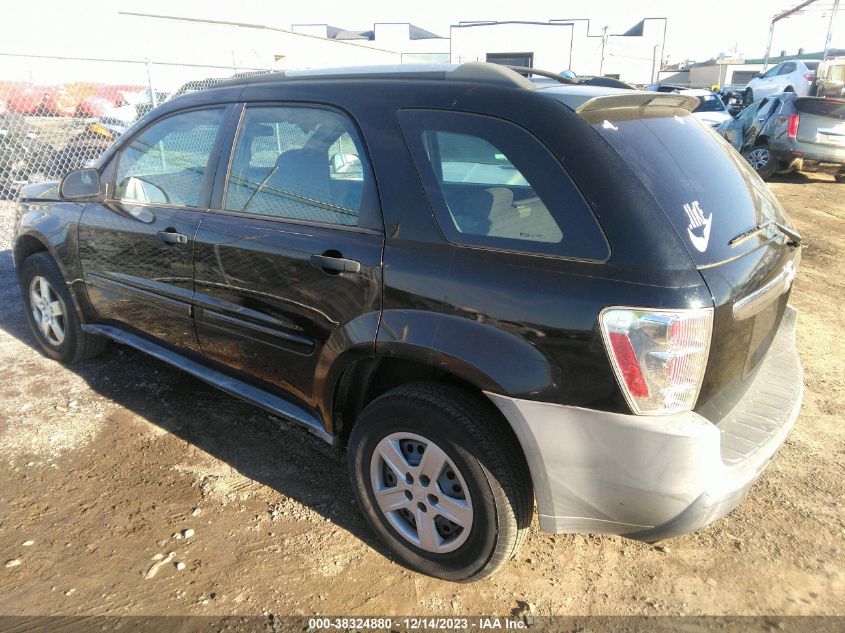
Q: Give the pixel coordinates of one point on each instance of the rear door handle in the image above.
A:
(327, 262)
(172, 237)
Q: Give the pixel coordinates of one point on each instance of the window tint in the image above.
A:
(298, 163)
(788, 67)
(492, 184)
(167, 162)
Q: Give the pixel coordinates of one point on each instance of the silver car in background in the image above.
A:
(796, 76)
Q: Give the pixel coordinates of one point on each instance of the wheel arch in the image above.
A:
(368, 378)
(27, 245)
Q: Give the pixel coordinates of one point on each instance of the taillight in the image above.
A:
(810, 76)
(792, 125)
(658, 356)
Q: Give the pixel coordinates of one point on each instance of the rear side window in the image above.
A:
(166, 163)
(299, 163)
(492, 184)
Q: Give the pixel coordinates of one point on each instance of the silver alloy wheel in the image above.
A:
(759, 157)
(48, 310)
(421, 493)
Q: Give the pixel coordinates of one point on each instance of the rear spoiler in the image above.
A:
(639, 100)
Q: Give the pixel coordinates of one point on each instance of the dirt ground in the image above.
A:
(103, 463)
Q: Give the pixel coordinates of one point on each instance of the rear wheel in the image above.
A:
(441, 480)
(760, 157)
(51, 313)
(840, 177)
(748, 96)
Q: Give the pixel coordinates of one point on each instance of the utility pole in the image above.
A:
(603, 42)
(654, 62)
(781, 16)
(830, 28)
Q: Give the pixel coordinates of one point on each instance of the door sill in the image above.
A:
(260, 398)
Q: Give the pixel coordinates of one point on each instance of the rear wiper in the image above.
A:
(793, 235)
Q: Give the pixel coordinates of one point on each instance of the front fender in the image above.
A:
(54, 225)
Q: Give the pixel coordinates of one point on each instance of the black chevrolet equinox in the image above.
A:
(491, 292)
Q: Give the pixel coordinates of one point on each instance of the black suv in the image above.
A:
(488, 290)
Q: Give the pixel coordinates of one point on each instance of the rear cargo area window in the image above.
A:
(492, 184)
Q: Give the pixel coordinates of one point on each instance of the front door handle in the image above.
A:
(170, 236)
(329, 262)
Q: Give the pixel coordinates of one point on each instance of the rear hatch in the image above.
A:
(821, 123)
(711, 196)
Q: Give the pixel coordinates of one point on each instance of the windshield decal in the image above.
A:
(699, 224)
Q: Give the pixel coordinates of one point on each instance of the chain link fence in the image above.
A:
(58, 114)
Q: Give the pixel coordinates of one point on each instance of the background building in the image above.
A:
(633, 56)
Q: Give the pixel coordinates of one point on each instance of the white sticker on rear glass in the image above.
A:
(699, 226)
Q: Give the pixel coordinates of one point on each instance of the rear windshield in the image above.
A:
(708, 191)
(822, 107)
(812, 65)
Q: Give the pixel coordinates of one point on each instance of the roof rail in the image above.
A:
(473, 72)
(543, 73)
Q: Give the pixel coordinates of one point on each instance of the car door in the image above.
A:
(765, 85)
(136, 247)
(288, 259)
(758, 121)
(734, 130)
(786, 77)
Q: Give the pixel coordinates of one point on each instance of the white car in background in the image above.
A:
(710, 110)
(795, 76)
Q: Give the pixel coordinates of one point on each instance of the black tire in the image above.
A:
(748, 96)
(76, 345)
(840, 177)
(764, 169)
(486, 455)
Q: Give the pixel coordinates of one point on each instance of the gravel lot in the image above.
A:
(106, 463)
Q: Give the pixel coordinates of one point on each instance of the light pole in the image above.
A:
(603, 42)
(654, 63)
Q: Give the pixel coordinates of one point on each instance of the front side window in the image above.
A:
(773, 71)
(167, 162)
(492, 184)
(299, 163)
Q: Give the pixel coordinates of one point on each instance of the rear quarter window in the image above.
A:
(492, 184)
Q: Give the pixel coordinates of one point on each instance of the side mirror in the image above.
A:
(346, 164)
(81, 183)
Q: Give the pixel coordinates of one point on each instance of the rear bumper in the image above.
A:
(653, 477)
(802, 154)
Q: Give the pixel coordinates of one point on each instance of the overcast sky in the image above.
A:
(696, 30)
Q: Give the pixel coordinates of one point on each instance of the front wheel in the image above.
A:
(52, 314)
(441, 480)
(760, 157)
